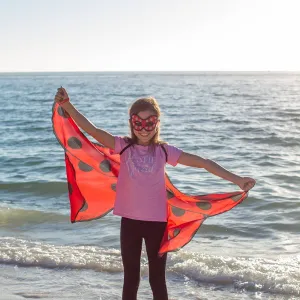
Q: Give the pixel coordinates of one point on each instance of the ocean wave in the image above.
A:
(32, 253)
(35, 187)
(280, 276)
(14, 217)
(273, 140)
(233, 95)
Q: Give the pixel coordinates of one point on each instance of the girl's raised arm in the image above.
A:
(98, 134)
(187, 159)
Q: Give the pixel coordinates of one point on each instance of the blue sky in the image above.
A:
(144, 35)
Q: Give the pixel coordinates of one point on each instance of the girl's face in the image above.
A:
(144, 119)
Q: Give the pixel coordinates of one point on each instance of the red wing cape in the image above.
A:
(92, 173)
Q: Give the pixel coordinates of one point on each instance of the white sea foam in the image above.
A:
(32, 253)
(281, 276)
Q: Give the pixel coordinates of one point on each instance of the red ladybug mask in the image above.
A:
(148, 124)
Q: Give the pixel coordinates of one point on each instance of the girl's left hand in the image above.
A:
(246, 183)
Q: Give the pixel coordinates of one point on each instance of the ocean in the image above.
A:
(249, 123)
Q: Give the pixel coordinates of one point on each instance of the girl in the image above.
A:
(142, 172)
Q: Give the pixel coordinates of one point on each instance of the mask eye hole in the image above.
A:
(137, 123)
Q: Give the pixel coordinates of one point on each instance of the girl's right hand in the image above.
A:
(61, 96)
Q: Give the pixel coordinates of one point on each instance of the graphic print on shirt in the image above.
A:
(140, 164)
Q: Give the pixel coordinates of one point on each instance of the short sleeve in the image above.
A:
(173, 154)
(119, 144)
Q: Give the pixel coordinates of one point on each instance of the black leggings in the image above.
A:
(132, 234)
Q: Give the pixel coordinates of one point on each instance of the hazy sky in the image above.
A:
(148, 35)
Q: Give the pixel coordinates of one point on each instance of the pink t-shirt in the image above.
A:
(141, 187)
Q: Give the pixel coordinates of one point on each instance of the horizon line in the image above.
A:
(156, 71)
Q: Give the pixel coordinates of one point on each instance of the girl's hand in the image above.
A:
(61, 96)
(246, 183)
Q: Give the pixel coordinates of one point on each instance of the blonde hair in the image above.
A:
(142, 104)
